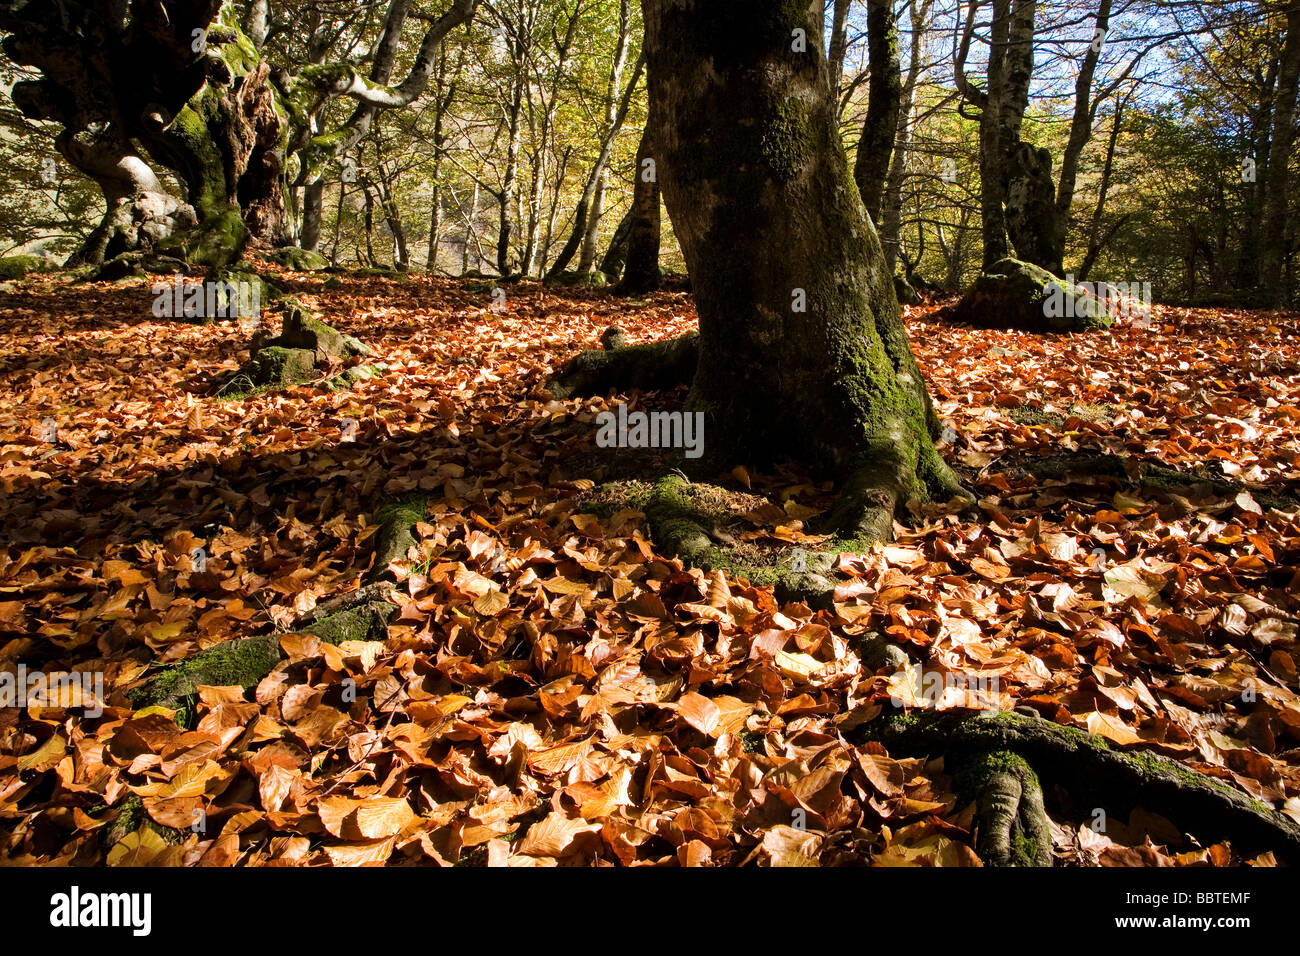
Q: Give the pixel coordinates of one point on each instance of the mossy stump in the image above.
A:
(1019, 295)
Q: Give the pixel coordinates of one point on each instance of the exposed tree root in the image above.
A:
(654, 366)
(396, 535)
(1088, 768)
(1012, 828)
(246, 661)
(356, 616)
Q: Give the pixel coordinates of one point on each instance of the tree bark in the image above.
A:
(802, 348)
(885, 95)
(641, 274)
(1273, 239)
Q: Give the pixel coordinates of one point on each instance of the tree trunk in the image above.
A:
(839, 43)
(892, 206)
(802, 348)
(885, 94)
(313, 196)
(1273, 251)
(641, 274)
(992, 148)
(506, 197)
(1080, 133)
(616, 255)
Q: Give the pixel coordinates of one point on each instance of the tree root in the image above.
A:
(396, 535)
(359, 615)
(1012, 828)
(244, 662)
(1084, 764)
(676, 526)
(657, 365)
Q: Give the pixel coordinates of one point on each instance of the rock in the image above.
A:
(304, 347)
(613, 338)
(1022, 296)
(301, 331)
(15, 267)
(277, 365)
(299, 260)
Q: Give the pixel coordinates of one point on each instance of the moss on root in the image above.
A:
(130, 817)
(397, 521)
(1089, 768)
(244, 662)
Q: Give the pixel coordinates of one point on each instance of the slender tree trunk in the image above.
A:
(892, 208)
(313, 196)
(885, 94)
(802, 348)
(992, 149)
(641, 274)
(1262, 128)
(1080, 132)
(470, 238)
(507, 195)
(1273, 244)
(435, 228)
(616, 255)
(1097, 237)
(839, 42)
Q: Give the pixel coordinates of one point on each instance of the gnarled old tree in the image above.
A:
(140, 86)
(801, 349)
(801, 352)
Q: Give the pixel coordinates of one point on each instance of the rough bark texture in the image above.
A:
(802, 348)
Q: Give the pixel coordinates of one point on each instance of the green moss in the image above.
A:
(788, 140)
(240, 663)
(972, 773)
(131, 816)
(397, 521)
(1024, 849)
(244, 662)
(15, 267)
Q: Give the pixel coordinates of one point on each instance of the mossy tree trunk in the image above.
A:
(802, 348)
(183, 83)
(177, 81)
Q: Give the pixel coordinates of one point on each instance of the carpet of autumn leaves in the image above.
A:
(554, 690)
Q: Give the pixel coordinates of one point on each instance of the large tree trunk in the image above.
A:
(1273, 251)
(642, 271)
(140, 213)
(802, 348)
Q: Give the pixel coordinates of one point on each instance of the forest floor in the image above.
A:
(556, 690)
